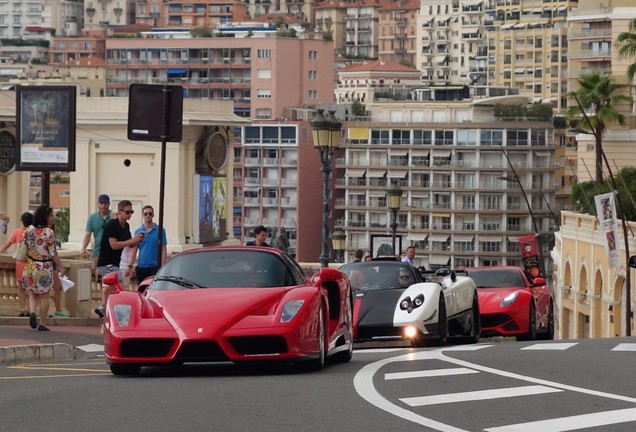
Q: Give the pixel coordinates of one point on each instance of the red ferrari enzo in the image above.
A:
(236, 304)
(512, 303)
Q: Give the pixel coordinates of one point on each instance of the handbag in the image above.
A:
(20, 253)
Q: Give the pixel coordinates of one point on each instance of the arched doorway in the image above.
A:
(566, 306)
(582, 307)
(597, 314)
(616, 309)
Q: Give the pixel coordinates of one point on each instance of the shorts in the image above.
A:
(104, 270)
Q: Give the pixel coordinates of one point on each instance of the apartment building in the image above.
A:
(331, 19)
(361, 25)
(261, 75)
(209, 13)
(593, 28)
(472, 183)
(277, 183)
(113, 13)
(397, 35)
(451, 42)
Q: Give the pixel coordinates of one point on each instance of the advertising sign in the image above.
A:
(606, 211)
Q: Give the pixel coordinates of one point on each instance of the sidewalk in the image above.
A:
(69, 338)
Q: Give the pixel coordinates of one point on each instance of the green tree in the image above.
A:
(62, 226)
(358, 110)
(626, 43)
(600, 93)
(582, 197)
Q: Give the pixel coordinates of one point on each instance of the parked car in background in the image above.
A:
(393, 301)
(239, 304)
(512, 303)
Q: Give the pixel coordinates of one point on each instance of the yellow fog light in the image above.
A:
(410, 332)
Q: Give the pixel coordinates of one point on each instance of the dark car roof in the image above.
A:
(380, 273)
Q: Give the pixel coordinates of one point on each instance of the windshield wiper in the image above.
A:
(187, 283)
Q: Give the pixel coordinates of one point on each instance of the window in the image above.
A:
(264, 73)
(517, 137)
(466, 137)
(492, 202)
(264, 113)
(422, 137)
(313, 74)
(313, 55)
(263, 93)
(491, 137)
(312, 94)
(264, 53)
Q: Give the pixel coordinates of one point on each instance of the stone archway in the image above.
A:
(582, 308)
(616, 309)
(566, 306)
(597, 317)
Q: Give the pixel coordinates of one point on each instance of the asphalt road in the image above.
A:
(573, 385)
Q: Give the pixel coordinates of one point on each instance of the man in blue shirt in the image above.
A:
(95, 226)
(147, 258)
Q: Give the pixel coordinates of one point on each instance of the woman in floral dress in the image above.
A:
(38, 270)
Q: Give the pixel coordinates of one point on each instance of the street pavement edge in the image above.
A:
(17, 354)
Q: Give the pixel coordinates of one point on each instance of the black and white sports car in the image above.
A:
(395, 301)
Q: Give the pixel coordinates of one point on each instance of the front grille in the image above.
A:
(368, 333)
(259, 345)
(493, 320)
(146, 347)
(200, 351)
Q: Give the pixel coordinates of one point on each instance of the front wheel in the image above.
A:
(318, 363)
(532, 326)
(442, 323)
(475, 324)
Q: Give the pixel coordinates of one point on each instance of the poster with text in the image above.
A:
(606, 213)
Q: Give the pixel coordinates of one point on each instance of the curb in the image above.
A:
(18, 354)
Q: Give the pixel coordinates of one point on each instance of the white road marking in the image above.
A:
(377, 350)
(478, 395)
(625, 347)
(466, 347)
(92, 348)
(364, 385)
(549, 347)
(428, 373)
(584, 421)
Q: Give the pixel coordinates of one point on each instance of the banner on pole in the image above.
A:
(606, 214)
(530, 254)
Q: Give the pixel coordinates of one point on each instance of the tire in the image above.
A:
(549, 332)
(532, 324)
(442, 323)
(315, 365)
(124, 369)
(346, 356)
(475, 327)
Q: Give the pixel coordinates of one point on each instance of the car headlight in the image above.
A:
(122, 314)
(418, 301)
(290, 310)
(405, 304)
(509, 299)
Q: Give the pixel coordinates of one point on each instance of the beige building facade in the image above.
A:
(589, 293)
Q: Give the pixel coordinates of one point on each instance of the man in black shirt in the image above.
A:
(115, 237)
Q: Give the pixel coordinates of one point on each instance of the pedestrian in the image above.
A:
(147, 257)
(260, 237)
(358, 255)
(368, 257)
(95, 227)
(410, 255)
(57, 285)
(38, 269)
(115, 237)
(16, 237)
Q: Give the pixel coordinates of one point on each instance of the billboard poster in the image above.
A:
(529, 249)
(205, 213)
(219, 220)
(210, 209)
(606, 214)
(45, 133)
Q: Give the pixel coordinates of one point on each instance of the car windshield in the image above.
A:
(496, 278)
(380, 275)
(225, 268)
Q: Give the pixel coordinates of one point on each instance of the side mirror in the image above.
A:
(538, 281)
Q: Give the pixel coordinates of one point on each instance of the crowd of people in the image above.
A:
(115, 248)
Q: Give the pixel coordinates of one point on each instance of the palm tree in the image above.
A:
(626, 41)
(600, 93)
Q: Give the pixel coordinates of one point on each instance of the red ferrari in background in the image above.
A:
(512, 303)
(237, 304)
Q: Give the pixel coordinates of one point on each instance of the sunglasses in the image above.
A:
(405, 277)
(128, 212)
(148, 214)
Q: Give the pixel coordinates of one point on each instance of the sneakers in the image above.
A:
(61, 314)
(33, 321)
(101, 311)
(43, 328)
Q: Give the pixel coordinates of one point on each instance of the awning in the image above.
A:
(513, 239)
(506, 26)
(398, 153)
(441, 215)
(464, 237)
(397, 173)
(536, 99)
(358, 133)
(419, 153)
(490, 238)
(355, 172)
(439, 259)
(441, 153)
(561, 8)
(520, 70)
(376, 173)
(442, 19)
(177, 71)
(377, 193)
(537, 10)
(440, 237)
(417, 237)
(546, 100)
(473, 2)
(519, 25)
(440, 58)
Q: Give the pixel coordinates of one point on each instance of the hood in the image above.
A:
(212, 309)
(378, 307)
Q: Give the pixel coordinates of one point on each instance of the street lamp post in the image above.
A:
(338, 243)
(393, 202)
(326, 135)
